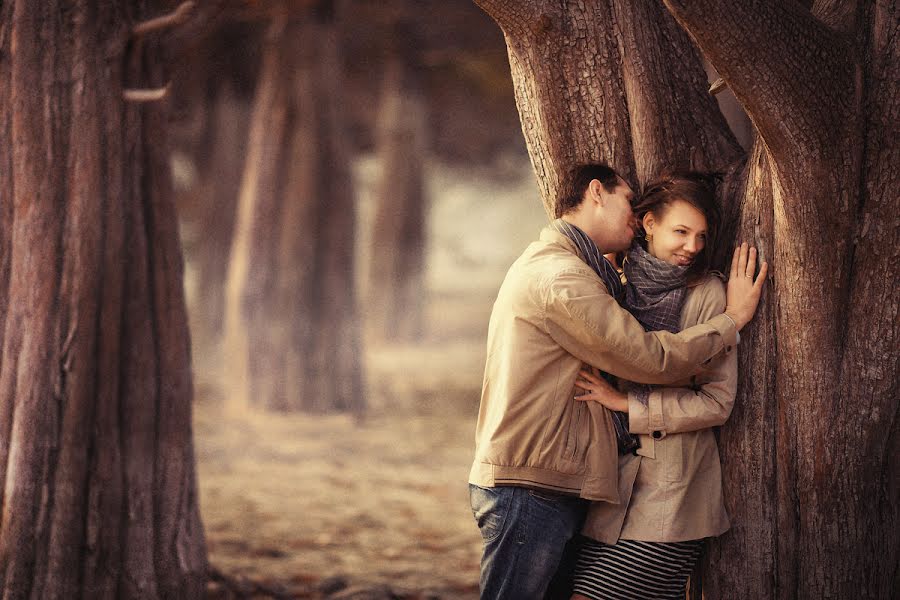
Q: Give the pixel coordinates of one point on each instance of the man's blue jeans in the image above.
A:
(525, 534)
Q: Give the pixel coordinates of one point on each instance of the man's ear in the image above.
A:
(597, 191)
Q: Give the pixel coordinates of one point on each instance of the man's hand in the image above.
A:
(742, 295)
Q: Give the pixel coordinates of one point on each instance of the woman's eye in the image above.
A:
(680, 231)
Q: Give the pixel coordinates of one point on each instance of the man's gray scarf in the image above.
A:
(591, 254)
(655, 295)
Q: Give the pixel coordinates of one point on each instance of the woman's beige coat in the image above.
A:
(672, 490)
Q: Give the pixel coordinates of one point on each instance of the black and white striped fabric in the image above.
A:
(634, 570)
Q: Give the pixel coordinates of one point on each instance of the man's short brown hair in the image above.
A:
(576, 181)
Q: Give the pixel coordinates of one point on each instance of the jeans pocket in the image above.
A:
(489, 507)
(544, 496)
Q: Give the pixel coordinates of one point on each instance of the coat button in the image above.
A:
(657, 435)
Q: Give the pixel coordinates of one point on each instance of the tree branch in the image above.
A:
(794, 76)
(672, 118)
(145, 95)
(176, 17)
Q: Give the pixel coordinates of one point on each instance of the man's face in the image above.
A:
(618, 221)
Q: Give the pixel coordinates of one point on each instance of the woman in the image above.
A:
(670, 488)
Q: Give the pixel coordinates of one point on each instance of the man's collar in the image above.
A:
(548, 234)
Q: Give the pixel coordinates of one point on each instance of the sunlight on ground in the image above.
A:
(296, 499)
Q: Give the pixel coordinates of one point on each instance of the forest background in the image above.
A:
(289, 412)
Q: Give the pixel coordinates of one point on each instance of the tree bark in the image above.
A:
(584, 76)
(823, 114)
(99, 489)
(810, 455)
(291, 318)
(396, 290)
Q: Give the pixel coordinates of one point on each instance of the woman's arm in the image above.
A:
(708, 404)
(677, 409)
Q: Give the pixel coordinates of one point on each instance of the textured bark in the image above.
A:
(594, 83)
(810, 455)
(99, 489)
(820, 102)
(569, 87)
(291, 315)
(396, 293)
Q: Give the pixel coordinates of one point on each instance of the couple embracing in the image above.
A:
(599, 396)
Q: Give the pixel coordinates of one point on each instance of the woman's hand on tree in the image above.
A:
(599, 390)
(743, 290)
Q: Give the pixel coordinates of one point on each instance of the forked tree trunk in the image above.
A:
(291, 315)
(810, 455)
(99, 490)
(396, 290)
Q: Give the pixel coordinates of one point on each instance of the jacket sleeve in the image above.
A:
(677, 410)
(581, 316)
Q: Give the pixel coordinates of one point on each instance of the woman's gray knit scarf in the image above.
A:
(655, 291)
(655, 295)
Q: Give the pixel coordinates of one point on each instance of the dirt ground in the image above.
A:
(293, 500)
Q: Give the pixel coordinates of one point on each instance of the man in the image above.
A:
(540, 454)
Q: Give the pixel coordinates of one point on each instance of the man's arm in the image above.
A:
(585, 320)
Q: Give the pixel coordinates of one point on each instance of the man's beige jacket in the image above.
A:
(552, 315)
(671, 491)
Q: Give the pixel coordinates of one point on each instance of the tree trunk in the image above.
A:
(630, 95)
(810, 455)
(396, 288)
(291, 316)
(99, 494)
(212, 225)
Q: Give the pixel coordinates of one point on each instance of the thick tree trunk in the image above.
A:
(814, 86)
(396, 290)
(291, 316)
(593, 82)
(810, 455)
(99, 489)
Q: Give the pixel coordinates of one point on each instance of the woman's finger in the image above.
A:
(742, 261)
(751, 262)
(761, 278)
(734, 262)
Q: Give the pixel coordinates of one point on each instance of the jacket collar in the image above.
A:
(548, 234)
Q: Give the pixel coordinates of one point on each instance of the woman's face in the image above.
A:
(678, 235)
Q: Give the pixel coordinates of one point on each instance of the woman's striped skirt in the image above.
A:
(633, 570)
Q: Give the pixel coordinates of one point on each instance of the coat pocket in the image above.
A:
(575, 438)
(670, 452)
